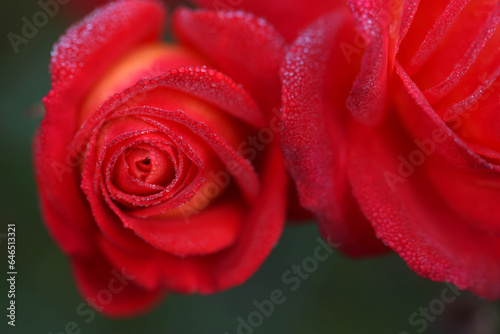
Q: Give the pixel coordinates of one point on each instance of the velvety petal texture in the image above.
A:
(414, 142)
(229, 39)
(147, 177)
(288, 18)
(78, 59)
(314, 135)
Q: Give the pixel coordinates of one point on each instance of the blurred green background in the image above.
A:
(376, 295)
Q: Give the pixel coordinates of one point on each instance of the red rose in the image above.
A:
(152, 172)
(398, 122)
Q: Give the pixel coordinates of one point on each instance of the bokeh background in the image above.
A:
(374, 295)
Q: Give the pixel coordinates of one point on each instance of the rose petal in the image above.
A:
(93, 44)
(112, 291)
(247, 49)
(314, 137)
(204, 232)
(436, 241)
(146, 268)
(262, 227)
(419, 18)
(475, 196)
(441, 27)
(488, 84)
(409, 9)
(422, 121)
(288, 20)
(77, 60)
(73, 236)
(463, 66)
(480, 125)
(378, 25)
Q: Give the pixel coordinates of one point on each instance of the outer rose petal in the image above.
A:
(191, 75)
(79, 8)
(89, 47)
(247, 49)
(261, 230)
(78, 59)
(435, 240)
(313, 136)
(288, 19)
(112, 291)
